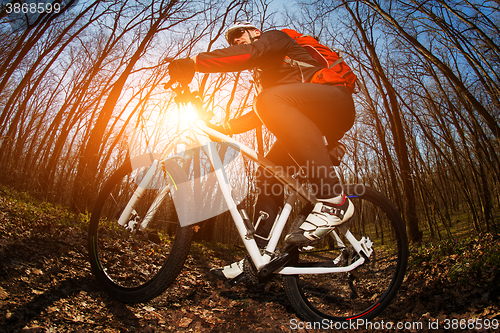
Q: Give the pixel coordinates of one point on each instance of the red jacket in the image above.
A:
(266, 55)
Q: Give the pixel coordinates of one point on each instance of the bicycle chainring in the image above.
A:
(250, 272)
(349, 255)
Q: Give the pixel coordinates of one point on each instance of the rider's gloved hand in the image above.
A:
(182, 70)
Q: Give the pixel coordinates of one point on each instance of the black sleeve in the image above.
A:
(245, 123)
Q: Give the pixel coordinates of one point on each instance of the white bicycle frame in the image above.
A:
(199, 135)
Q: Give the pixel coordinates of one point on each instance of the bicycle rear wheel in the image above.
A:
(366, 291)
(136, 266)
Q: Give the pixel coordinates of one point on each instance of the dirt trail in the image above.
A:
(46, 286)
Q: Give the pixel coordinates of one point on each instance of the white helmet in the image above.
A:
(238, 26)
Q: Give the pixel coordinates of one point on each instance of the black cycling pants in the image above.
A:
(301, 116)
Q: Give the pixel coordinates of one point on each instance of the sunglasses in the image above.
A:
(236, 33)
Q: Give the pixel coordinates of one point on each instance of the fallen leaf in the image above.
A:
(3, 293)
(184, 322)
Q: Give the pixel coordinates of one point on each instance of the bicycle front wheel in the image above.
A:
(133, 265)
(366, 291)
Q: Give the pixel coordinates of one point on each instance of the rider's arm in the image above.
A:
(267, 54)
(245, 123)
(242, 124)
(269, 49)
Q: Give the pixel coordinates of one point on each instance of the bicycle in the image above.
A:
(137, 245)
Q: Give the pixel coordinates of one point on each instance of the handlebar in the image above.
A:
(184, 95)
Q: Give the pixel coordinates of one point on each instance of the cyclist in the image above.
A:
(300, 114)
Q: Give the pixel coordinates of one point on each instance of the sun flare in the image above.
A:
(187, 114)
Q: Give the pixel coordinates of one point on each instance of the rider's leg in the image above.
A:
(270, 190)
(270, 198)
(299, 115)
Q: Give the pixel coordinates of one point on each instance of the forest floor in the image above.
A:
(46, 285)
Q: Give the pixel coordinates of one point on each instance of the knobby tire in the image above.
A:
(367, 290)
(135, 267)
